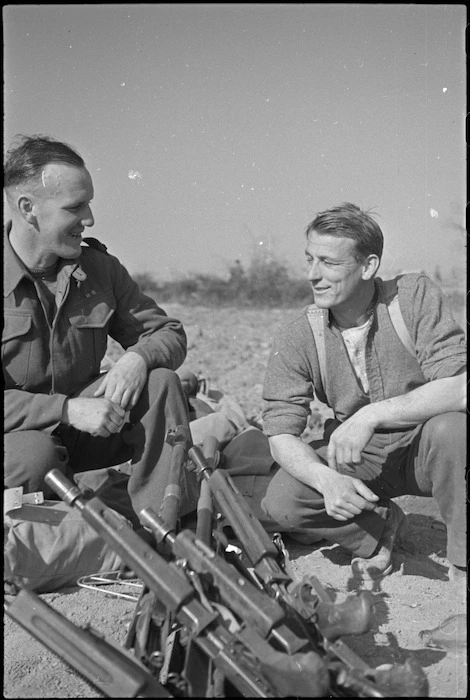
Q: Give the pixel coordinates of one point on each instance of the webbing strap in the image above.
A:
(316, 318)
(391, 299)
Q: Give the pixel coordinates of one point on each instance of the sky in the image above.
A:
(216, 132)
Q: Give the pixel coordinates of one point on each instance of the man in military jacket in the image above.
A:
(61, 301)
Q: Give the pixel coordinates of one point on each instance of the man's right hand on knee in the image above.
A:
(97, 416)
(345, 496)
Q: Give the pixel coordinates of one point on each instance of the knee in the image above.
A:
(163, 380)
(162, 393)
(29, 456)
(280, 506)
(447, 430)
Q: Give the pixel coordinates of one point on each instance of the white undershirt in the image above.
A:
(355, 341)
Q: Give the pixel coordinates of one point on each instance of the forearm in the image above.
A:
(298, 459)
(432, 399)
(27, 411)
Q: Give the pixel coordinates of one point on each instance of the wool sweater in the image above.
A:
(292, 378)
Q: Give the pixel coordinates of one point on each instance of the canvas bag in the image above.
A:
(49, 546)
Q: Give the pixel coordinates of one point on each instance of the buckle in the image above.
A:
(15, 498)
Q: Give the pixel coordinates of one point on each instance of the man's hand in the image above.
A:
(99, 417)
(124, 382)
(345, 496)
(349, 439)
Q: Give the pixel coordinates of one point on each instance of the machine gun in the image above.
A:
(209, 623)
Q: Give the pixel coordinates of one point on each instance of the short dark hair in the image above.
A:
(349, 221)
(29, 155)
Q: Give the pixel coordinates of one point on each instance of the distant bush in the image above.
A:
(266, 283)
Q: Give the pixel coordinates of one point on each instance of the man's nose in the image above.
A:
(313, 271)
(88, 219)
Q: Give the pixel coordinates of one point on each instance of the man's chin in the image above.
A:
(71, 253)
(322, 301)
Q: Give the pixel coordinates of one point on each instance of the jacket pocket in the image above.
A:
(16, 346)
(90, 321)
(93, 314)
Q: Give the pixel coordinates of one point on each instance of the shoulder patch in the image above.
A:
(96, 244)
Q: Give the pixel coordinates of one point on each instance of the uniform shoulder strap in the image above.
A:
(391, 299)
(96, 244)
(316, 319)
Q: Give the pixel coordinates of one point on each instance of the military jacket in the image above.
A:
(43, 364)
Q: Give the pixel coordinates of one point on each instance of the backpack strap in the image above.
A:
(390, 290)
(316, 318)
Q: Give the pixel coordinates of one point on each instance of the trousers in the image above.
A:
(428, 460)
(162, 406)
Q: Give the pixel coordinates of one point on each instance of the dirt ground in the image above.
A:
(230, 348)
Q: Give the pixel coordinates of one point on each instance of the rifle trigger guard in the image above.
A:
(178, 436)
(304, 599)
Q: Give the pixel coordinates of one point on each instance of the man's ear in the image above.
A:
(370, 266)
(25, 207)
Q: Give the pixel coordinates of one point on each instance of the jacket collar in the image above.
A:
(14, 270)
